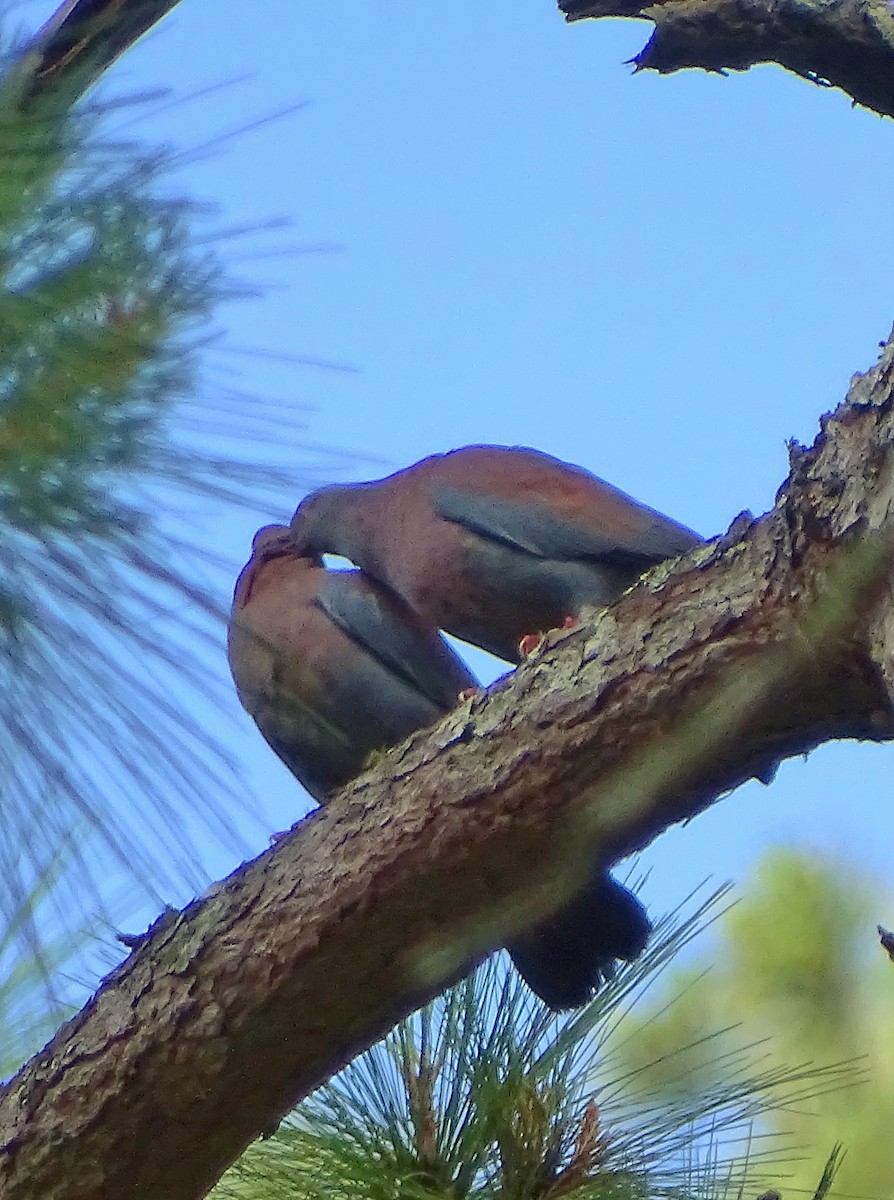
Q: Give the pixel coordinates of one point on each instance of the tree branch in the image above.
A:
(759, 646)
(848, 44)
(81, 41)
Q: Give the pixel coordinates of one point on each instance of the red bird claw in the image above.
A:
(570, 623)
(529, 643)
(468, 693)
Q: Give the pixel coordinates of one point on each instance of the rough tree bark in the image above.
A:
(763, 644)
(848, 44)
(80, 41)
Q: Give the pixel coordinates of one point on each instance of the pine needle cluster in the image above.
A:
(487, 1095)
(113, 451)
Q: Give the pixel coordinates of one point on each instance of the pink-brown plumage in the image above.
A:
(491, 542)
(330, 665)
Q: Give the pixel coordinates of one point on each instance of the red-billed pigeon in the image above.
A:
(333, 666)
(492, 543)
(330, 665)
(565, 958)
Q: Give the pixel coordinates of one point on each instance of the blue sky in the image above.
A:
(662, 279)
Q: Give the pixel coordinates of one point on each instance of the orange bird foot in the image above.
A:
(468, 693)
(529, 643)
(533, 641)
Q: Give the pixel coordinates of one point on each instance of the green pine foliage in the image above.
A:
(797, 972)
(485, 1093)
(113, 450)
(30, 1011)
